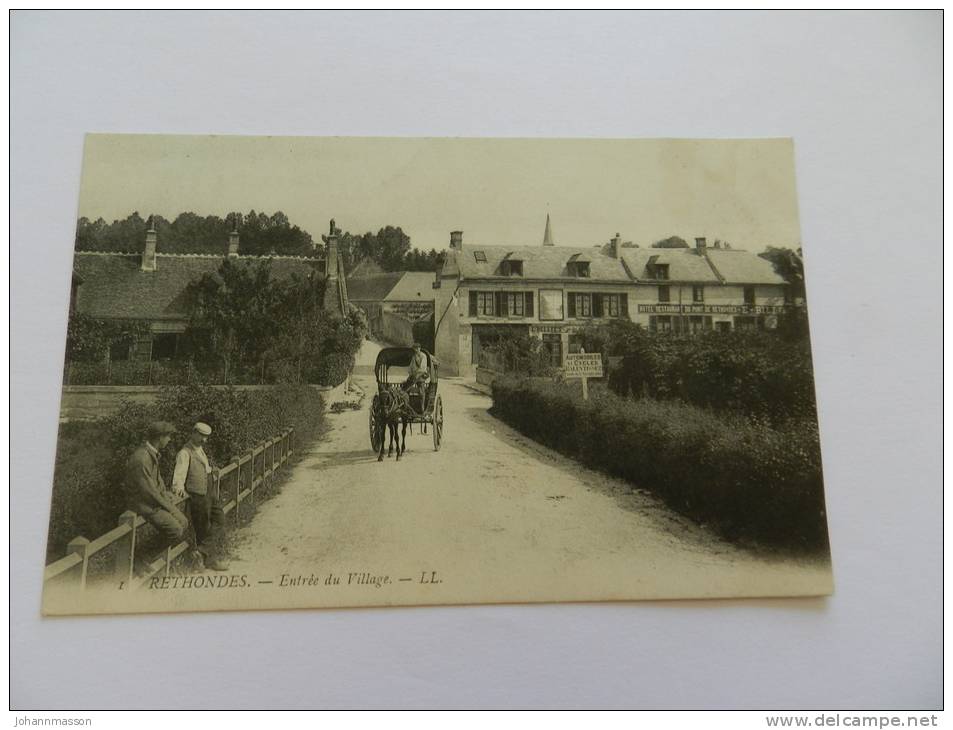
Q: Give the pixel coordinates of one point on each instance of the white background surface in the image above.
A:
(861, 95)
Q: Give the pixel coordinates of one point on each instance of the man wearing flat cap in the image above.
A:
(192, 475)
(146, 489)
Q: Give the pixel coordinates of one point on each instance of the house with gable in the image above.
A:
(485, 292)
(150, 287)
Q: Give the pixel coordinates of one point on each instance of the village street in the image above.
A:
(491, 517)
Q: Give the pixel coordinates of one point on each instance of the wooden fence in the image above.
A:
(235, 483)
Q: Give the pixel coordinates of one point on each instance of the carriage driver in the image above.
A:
(418, 374)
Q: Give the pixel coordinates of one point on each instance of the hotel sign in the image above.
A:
(711, 309)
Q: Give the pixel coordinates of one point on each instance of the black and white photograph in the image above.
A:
(332, 372)
(476, 360)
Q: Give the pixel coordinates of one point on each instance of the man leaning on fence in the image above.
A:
(193, 475)
(146, 489)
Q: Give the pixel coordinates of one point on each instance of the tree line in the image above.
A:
(261, 234)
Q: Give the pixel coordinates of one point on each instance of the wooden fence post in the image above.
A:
(80, 546)
(238, 489)
(124, 566)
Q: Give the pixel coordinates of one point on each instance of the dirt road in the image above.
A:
(492, 517)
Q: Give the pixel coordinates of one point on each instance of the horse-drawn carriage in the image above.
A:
(411, 399)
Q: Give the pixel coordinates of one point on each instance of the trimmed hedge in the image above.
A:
(88, 493)
(754, 373)
(740, 476)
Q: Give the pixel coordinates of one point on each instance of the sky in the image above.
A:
(497, 191)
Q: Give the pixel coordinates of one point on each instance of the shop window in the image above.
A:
(698, 323)
(723, 326)
(749, 295)
(575, 344)
(554, 344)
(698, 294)
(746, 323)
(665, 294)
(660, 323)
(550, 305)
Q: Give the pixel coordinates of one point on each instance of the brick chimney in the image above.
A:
(149, 252)
(233, 242)
(614, 245)
(456, 240)
(700, 245)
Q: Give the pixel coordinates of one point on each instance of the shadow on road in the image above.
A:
(626, 495)
(342, 458)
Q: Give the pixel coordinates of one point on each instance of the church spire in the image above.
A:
(548, 235)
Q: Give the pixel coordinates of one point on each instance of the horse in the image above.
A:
(393, 409)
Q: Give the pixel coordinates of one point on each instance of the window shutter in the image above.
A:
(624, 305)
(499, 308)
(571, 301)
(528, 306)
(473, 303)
(596, 305)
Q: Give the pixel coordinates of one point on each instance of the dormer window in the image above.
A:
(479, 257)
(578, 266)
(580, 269)
(661, 272)
(511, 267)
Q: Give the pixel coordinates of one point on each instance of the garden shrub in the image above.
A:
(742, 476)
(765, 374)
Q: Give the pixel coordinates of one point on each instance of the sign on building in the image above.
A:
(583, 365)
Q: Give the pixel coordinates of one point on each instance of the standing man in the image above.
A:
(146, 490)
(192, 474)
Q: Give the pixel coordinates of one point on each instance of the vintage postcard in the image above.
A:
(331, 372)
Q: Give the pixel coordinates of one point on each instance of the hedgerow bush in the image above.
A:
(88, 489)
(741, 476)
(756, 373)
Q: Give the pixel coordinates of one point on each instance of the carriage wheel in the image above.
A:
(437, 423)
(375, 426)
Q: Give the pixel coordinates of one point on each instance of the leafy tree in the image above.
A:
(789, 265)
(671, 242)
(232, 315)
(261, 234)
(389, 248)
(275, 331)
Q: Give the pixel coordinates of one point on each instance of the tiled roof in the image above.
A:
(684, 264)
(743, 267)
(373, 288)
(113, 285)
(539, 262)
(413, 286)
